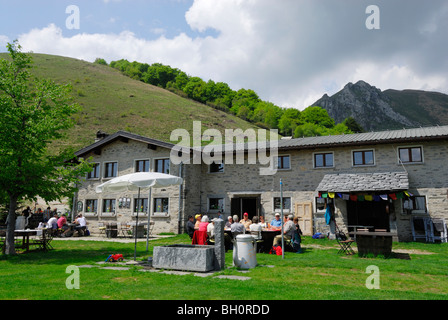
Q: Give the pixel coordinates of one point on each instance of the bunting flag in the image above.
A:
(366, 197)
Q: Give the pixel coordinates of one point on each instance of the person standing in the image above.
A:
(46, 214)
(190, 226)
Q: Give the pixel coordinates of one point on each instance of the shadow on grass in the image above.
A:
(81, 252)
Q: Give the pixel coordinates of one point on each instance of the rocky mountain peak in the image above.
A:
(368, 105)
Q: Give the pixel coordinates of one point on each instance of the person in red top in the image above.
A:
(62, 225)
(61, 221)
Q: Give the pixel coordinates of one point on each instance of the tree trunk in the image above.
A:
(11, 226)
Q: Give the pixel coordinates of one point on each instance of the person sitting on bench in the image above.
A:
(81, 224)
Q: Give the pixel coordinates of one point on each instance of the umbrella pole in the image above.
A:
(149, 218)
(136, 227)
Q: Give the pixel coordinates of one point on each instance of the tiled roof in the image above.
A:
(403, 135)
(125, 135)
(380, 137)
(358, 182)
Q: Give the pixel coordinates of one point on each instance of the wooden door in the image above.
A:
(304, 211)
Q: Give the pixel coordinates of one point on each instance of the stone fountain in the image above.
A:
(199, 258)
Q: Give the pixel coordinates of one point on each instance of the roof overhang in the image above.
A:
(364, 182)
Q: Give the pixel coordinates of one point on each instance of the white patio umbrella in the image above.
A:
(136, 181)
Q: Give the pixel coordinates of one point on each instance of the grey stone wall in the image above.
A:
(429, 178)
(126, 154)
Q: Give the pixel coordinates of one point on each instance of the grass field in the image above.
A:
(417, 271)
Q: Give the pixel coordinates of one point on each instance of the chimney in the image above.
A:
(100, 135)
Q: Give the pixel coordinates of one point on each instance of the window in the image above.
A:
(216, 167)
(283, 162)
(216, 204)
(410, 155)
(141, 204)
(160, 204)
(363, 158)
(110, 169)
(323, 160)
(415, 204)
(91, 205)
(286, 203)
(142, 166)
(109, 205)
(163, 165)
(95, 173)
(320, 204)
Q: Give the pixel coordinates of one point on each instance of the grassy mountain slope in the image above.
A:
(111, 101)
(422, 107)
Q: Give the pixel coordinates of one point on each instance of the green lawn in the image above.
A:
(417, 271)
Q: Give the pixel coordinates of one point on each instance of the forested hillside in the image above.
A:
(244, 103)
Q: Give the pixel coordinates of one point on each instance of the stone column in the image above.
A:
(219, 245)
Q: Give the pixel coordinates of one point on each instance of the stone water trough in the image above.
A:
(184, 257)
(199, 258)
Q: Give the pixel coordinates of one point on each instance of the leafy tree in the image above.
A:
(309, 130)
(244, 97)
(317, 115)
(354, 126)
(33, 113)
(195, 89)
(100, 61)
(289, 121)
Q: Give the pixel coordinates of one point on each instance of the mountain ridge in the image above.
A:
(390, 109)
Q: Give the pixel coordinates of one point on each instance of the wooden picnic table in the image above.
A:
(42, 242)
(374, 242)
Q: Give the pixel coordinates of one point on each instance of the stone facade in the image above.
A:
(202, 189)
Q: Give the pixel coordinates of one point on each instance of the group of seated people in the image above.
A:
(59, 226)
(291, 228)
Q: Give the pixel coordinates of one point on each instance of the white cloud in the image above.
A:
(4, 40)
(290, 53)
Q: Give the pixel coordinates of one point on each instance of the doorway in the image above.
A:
(368, 213)
(240, 205)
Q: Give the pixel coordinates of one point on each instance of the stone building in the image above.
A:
(378, 179)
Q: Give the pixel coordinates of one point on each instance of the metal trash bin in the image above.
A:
(111, 230)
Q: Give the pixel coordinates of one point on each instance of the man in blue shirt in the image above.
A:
(276, 222)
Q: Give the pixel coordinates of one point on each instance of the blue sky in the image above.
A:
(290, 52)
(146, 19)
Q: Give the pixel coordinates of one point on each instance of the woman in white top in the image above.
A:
(255, 228)
(263, 223)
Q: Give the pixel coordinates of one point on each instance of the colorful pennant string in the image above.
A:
(366, 197)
